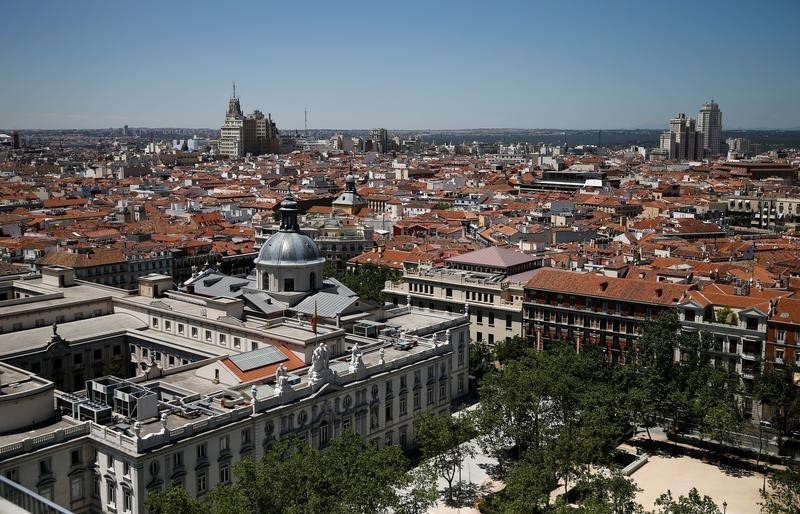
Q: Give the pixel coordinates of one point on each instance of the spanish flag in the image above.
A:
(314, 319)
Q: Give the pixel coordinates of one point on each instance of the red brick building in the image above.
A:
(586, 308)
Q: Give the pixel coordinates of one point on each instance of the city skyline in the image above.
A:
(448, 66)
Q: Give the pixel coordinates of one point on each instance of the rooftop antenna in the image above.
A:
(234, 89)
(305, 119)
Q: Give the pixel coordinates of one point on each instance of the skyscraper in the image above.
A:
(380, 140)
(232, 135)
(709, 123)
(683, 142)
(241, 135)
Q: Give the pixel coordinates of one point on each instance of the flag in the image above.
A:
(314, 319)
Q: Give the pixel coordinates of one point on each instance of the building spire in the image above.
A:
(234, 89)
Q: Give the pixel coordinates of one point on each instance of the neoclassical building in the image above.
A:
(213, 372)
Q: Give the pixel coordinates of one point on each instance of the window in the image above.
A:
(237, 342)
(479, 336)
(171, 360)
(460, 383)
(429, 395)
(224, 474)
(76, 488)
(224, 443)
(323, 434)
(167, 325)
(416, 400)
(13, 474)
(779, 354)
(222, 339)
(491, 319)
(442, 390)
(127, 500)
(388, 410)
(181, 328)
(177, 460)
(126, 469)
(208, 336)
(201, 451)
(75, 457)
(201, 482)
(195, 332)
(491, 338)
(448, 292)
(752, 323)
(110, 461)
(98, 355)
(246, 436)
(288, 284)
(388, 439)
(508, 321)
(346, 424)
(403, 406)
(45, 467)
(479, 318)
(112, 494)
(780, 335)
(155, 322)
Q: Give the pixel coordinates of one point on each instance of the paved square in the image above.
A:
(680, 474)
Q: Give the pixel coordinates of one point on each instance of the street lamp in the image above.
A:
(724, 507)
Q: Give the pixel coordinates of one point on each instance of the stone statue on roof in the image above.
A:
(320, 371)
(281, 376)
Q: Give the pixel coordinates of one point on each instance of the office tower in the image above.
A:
(709, 123)
(683, 141)
(380, 140)
(232, 132)
(14, 140)
(241, 135)
(266, 132)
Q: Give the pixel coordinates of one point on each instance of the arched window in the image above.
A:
(323, 434)
(312, 280)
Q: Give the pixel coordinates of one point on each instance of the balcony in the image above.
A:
(26, 499)
(750, 356)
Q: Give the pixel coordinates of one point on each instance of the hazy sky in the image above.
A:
(408, 64)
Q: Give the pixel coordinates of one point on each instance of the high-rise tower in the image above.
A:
(709, 123)
(241, 135)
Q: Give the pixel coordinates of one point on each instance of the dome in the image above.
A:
(289, 249)
(289, 246)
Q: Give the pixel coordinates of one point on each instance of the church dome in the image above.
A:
(289, 246)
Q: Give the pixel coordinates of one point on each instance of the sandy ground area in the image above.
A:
(740, 489)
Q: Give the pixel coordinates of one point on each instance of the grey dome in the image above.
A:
(289, 249)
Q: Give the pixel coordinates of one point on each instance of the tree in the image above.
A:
(481, 359)
(175, 500)
(608, 494)
(528, 484)
(510, 349)
(294, 478)
(776, 387)
(443, 440)
(784, 496)
(691, 504)
(367, 281)
(651, 372)
(422, 492)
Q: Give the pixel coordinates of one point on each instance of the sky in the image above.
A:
(432, 64)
